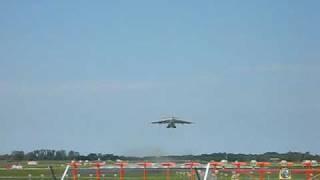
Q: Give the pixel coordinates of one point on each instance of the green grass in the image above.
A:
(41, 171)
(37, 174)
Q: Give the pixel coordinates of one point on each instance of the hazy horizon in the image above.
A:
(155, 154)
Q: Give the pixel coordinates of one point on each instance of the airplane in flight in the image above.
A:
(172, 121)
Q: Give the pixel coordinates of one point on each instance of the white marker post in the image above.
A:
(207, 172)
(65, 172)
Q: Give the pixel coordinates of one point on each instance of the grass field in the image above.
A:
(45, 174)
(41, 171)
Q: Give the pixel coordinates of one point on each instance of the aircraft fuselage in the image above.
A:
(171, 125)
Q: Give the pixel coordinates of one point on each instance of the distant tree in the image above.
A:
(40, 154)
(82, 157)
(5, 157)
(73, 155)
(109, 157)
(92, 156)
(51, 154)
(61, 155)
(17, 155)
(46, 154)
(30, 156)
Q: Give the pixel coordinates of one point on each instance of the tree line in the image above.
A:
(47, 154)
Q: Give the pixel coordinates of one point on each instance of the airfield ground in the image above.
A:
(41, 171)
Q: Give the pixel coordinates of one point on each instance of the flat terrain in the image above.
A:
(41, 171)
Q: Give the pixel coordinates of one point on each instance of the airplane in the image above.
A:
(172, 121)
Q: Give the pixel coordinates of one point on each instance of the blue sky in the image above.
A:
(91, 76)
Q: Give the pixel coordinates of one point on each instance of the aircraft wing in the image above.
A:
(161, 122)
(181, 122)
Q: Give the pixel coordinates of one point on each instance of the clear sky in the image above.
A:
(91, 76)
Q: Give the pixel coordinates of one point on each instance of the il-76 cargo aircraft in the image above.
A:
(172, 121)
